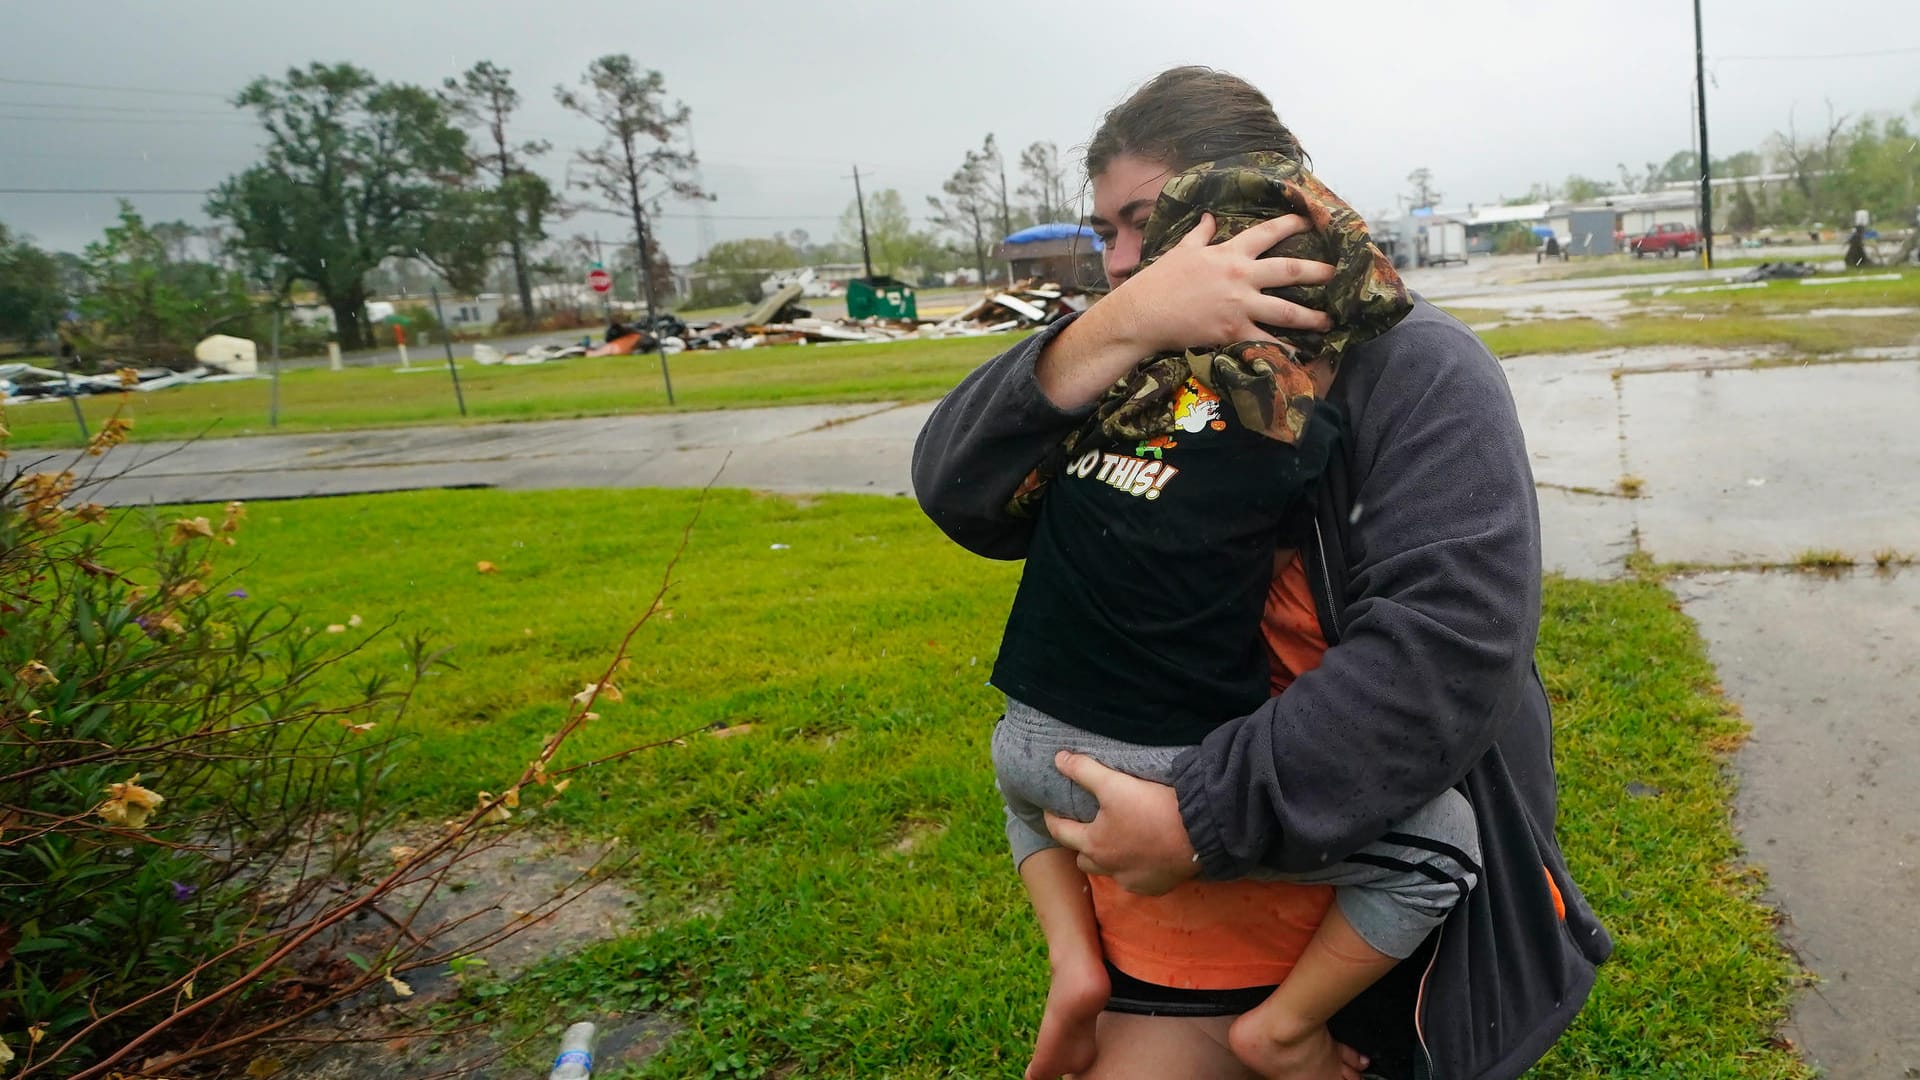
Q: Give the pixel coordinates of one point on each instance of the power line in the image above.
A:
(114, 108)
(1822, 56)
(590, 210)
(114, 89)
(104, 191)
(119, 120)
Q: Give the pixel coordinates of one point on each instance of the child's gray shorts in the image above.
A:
(1394, 891)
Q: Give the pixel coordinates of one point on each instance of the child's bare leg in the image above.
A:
(1080, 987)
(1286, 1035)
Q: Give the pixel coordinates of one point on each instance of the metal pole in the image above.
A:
(68, 358)
(273, 357)
(606, 298)
(1706, 158)
(447, 340)
(861, 201)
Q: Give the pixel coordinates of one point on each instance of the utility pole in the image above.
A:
(860, 200)
(1706, 159)
(1006, 215)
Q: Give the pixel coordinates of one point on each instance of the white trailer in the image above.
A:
(1442, 240)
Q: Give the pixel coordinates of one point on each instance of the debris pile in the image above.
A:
(23, 384)
(1025, 304)
(781, 320)
(1773, 271)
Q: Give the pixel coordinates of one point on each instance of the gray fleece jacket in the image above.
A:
(1424, 553)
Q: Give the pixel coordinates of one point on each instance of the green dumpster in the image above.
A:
(881, 296)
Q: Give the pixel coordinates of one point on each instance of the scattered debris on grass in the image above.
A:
(781, 320)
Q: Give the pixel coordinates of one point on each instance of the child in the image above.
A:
(1149, 569)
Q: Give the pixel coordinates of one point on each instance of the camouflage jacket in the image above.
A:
(1266, 383)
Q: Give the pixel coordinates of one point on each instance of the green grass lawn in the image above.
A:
(1802, 337)
(1791, 297)
(829, 893)
(321, 400)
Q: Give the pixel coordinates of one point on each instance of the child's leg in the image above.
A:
(1079, 988)
(1024, 743)
(1391, 895)
(1286, 1035)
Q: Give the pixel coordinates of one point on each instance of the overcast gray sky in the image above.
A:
(1492, 95)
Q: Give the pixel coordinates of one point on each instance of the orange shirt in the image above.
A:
(1225, 935)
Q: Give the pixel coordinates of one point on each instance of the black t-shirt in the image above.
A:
(1138, 615)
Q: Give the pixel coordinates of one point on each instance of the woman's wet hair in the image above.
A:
(1187, 115)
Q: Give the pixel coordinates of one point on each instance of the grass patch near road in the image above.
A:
(1790, 297)
(828, 893)
(1804, 337)
(322, 400)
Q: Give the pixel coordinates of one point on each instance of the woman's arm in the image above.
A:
(1438, 636)
(989, 432)
(982, 440)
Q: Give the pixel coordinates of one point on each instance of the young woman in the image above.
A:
(1407, 605)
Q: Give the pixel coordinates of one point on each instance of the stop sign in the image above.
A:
(599, 279)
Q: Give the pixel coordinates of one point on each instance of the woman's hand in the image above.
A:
(1201, 293)
(1137, 837)
(1196, 294)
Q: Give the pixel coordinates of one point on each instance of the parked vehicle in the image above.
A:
(1668, 239)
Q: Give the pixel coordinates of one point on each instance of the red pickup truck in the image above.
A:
(1669, 239)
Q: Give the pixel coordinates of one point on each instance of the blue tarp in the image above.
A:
(1055, 231)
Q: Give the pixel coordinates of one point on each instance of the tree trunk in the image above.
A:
(349, 320)
(521, 279)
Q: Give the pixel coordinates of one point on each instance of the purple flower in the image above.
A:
(182, 892)
(238, 594)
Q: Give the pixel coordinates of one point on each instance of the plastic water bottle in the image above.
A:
(576, 1054)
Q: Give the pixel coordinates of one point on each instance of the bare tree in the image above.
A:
(637, 165)
(1424, 196)
(484, 97)
(967, 211)
(1046, 181)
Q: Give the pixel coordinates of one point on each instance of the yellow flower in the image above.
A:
(486, 567)
(186, 529)
(41, 495)
(171, 624)
(235, 512)
(111, 434)
(91, 513)
(128, 377)
(402, 854)
(6, 1054)
(399, 988)
(129, 804)
(36, 673)
(498, 812)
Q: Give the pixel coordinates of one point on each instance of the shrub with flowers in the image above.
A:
(178, 791)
